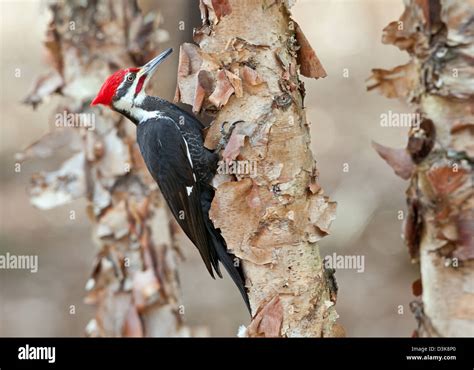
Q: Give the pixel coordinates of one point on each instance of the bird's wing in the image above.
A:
(167, 157)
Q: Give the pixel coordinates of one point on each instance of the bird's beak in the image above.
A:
(149, 68)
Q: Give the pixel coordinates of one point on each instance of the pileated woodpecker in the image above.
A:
(171, 143)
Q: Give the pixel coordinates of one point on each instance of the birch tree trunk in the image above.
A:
(439, 158)
(268, 204)
(134, 280)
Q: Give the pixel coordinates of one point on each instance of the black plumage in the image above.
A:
(171, 143)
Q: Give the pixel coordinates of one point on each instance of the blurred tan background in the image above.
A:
(344, 117)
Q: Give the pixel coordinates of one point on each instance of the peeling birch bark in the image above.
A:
(268, 205)
(134, 280)
(439, 228)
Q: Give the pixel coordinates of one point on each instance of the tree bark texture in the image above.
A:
(134, 280)
(268, 204)
(438, 161)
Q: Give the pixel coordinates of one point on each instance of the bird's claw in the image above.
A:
(225, 135)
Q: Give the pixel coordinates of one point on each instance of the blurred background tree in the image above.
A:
(439, 158)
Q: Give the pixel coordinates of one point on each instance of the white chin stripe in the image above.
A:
(127, 104)
(140, 97)
(142, 114)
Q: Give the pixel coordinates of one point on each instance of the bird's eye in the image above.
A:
(130, 78)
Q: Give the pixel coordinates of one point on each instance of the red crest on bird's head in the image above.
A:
(108, 89)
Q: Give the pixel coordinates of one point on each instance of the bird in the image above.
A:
(171, 142)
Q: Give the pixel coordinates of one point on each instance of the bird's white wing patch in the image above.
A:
(189, 189)
(187, 152)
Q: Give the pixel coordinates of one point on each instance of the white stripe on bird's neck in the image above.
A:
(131, 104)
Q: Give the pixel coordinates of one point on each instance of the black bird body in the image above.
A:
(171, 143)
(172, 147)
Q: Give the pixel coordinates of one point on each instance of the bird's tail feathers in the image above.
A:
(220, 247)
(229, 261)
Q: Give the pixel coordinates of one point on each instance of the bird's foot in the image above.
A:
(225, 135)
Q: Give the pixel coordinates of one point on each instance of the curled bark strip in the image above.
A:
(310, 66)
(268, 319)
(398, 159)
